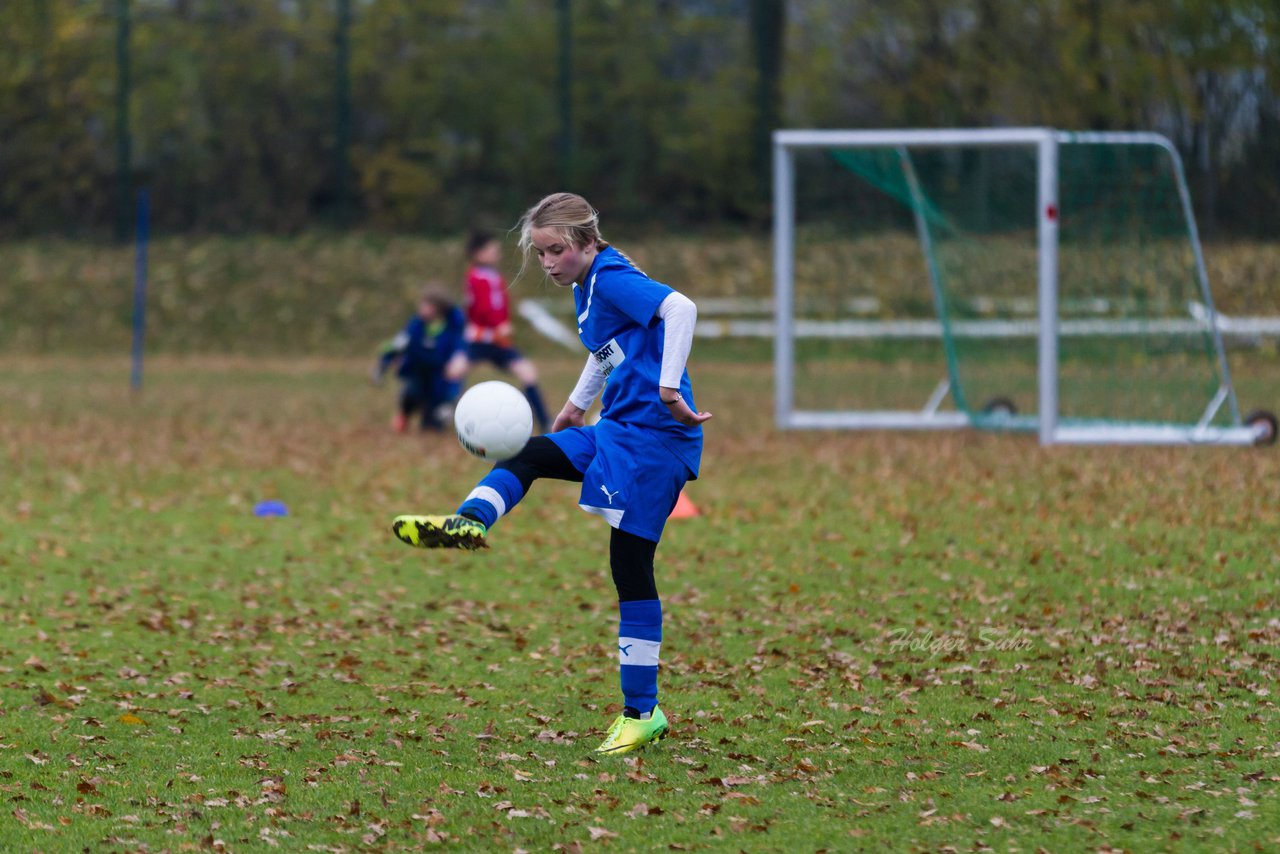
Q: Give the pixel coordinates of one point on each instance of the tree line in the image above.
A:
(434, 115)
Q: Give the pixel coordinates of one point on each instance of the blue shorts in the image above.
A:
(501, 357)
(628, 476)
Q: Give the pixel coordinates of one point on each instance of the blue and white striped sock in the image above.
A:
(493, 497)
(639, 640)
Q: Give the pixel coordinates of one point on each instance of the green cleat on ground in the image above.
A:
(440, 532)
(628, 734)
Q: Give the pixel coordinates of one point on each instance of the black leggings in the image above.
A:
(423, 395)
(630, 557)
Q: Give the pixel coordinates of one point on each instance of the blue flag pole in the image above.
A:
(142, 235)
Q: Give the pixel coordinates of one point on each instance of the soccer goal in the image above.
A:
(1012, 279)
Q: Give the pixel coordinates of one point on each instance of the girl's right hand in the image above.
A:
(570, 416)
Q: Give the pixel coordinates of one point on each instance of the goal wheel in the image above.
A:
(1000, 406)
(1265, 423)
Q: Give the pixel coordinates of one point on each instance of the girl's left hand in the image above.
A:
(681, 412)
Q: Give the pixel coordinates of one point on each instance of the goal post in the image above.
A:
(1019, 279)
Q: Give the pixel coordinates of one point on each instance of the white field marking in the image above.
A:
(544, 323)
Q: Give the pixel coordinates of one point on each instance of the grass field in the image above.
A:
(955, 642)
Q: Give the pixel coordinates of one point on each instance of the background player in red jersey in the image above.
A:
(488, 333)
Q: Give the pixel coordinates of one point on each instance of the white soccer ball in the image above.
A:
(494, 420)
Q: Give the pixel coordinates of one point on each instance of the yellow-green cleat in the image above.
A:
(628, 734)
(440, 532)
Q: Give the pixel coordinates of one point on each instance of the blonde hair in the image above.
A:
(569, 215)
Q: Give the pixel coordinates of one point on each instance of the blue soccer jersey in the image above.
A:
(617, 322)
(426, 348)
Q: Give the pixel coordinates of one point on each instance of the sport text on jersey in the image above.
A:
(609, 357)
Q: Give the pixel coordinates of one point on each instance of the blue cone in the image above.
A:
(270, 508)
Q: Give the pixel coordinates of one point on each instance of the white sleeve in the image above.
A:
(679, 315)
(589, 385)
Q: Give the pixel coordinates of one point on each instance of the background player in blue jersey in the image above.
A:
(432, 352)
(632, 464)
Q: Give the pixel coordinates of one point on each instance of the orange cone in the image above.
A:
(684, 509)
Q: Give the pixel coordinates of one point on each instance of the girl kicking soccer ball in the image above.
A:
(632, 464)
